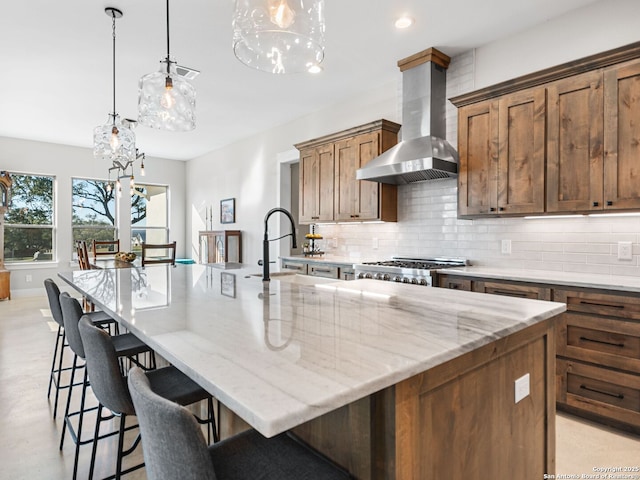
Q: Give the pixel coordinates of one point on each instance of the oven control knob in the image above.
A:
(379, 276)
(423, 281)
(397, 279)
(414, 281)
(367, 275)
(361, 275)
(386, 277)
(406, 280)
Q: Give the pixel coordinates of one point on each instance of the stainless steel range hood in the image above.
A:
(423, 154)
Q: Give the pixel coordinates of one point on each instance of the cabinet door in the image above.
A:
(521, 135)
(355, 199)
(478, 152)
(574, 144)
(316, 184)
(621, 144)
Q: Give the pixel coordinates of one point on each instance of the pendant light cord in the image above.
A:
(168, 54)
(113, 30)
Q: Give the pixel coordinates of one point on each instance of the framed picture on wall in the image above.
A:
(228, 210)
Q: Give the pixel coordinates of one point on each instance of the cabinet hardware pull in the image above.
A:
(454, 286)
(602, 392)
(595, 204)
(619, 345)
(501, 209)
(510, 293)
(596, 304)
(492, 209)
(315, 218)
(323, 270)
(609, 203)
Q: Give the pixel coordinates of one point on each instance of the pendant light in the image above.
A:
(114, 141)
(167, 101)
(279, 36)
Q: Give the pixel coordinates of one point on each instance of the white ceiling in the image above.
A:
(55, 84)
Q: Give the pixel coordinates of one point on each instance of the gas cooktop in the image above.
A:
(406, 270)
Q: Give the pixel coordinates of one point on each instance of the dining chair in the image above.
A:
(150, 253)
(110, 388)
(83, 255)
(98, 318)
(105, 248)
(125, 345)
(174, 447)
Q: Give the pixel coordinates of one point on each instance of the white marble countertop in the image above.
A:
(283, 355)
(550, 277)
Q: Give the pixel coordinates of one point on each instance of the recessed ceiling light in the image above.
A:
(314, 68)
(404, 21)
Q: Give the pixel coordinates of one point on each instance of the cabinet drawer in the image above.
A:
(323, 271)
(618, 306)
(513, 290)
(454, 283)
(599, 390)
(296, 266)
(611, 342)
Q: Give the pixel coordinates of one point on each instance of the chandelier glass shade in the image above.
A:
(167, 101)
(279, 36)
(114, 141)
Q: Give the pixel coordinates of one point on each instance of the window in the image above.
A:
(149, 219)
(93, 211)
(29, 221)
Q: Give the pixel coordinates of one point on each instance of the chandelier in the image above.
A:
(279, 36)
(114, 141)
(167, 101)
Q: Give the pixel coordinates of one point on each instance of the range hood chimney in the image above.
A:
(423, 154)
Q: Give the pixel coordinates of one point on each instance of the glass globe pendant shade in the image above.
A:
(279, 36)
(166, 101)
(113, 141)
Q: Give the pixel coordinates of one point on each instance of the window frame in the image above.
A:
(53, 227)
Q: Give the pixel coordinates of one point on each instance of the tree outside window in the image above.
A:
(29, 221)
(93, 211)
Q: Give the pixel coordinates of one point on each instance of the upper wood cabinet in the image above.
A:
(574, 144)
(329, 190)
(501, 149)
(316, 184)
(622, 137)
(563, 140)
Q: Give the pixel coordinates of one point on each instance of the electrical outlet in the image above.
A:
(522, 387)
(506, 247)
(28, 278)
(374, 243)
(625, 251)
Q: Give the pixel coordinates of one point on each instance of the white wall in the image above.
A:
(65, 162)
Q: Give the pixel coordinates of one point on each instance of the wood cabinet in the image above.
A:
(574, 124)
(223, 246)
(501, 147)
(598, 368)
(5, 284)
(316, 184)
(598, 346)
(329, 190)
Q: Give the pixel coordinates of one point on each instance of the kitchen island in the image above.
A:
(391, 381)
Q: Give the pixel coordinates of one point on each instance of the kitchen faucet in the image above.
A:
(265, 242)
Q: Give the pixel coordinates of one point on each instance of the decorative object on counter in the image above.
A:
(5, 200)
(228, 210)
(166, 99)
(310, 248)
(125, 256)
(279, 36)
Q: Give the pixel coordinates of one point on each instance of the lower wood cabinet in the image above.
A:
(597, 346)
(5, 285)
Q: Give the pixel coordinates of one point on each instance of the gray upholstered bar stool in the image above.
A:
(125, 345)
(99, 318)
(174, 447)
(110, 388)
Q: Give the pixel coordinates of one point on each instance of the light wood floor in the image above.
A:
(29, 437)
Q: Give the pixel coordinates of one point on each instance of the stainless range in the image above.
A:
(416, 271)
